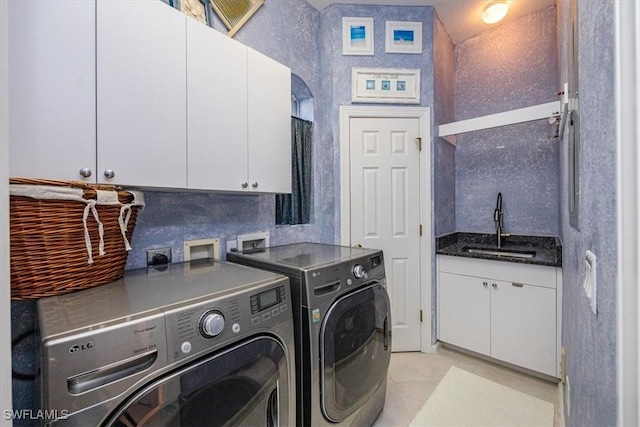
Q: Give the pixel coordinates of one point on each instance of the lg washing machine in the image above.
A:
(342, 325)
(203, 343)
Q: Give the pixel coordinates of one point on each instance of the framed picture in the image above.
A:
(357, 36)
(234, 14)
(385, 85)
(403, 37)
(193, 8)
(196, 9)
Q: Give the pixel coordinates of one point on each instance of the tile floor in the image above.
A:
(414, 376)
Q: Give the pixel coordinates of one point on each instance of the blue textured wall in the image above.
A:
(287, 31)
(590, 340)
(24, 358)
(444, 154)
(336, 68)
(509, 67)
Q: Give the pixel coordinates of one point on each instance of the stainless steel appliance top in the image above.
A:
(305, 256)
(145, 292)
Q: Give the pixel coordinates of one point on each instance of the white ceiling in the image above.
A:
(461, 18)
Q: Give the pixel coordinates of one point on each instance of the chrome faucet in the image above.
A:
(498, 219)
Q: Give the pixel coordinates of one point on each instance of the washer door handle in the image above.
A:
(98, 377)
(385, 334)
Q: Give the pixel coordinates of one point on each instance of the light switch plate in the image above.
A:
(590, 283)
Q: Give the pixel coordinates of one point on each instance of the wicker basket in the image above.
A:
(54, 250)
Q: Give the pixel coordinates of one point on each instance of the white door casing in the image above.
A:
(385, 196)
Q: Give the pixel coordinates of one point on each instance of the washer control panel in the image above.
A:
(324, 283)
(268, 305)
(212, 323)
(358, 271)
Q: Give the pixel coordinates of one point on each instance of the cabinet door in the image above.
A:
(52, 125)
(269, 124)
(523, 325)
(464, 312)
(216, 109)
(141, 93)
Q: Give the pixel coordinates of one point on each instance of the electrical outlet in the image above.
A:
(158, 256)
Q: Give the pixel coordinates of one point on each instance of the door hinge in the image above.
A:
(420, 316)
(419, 141)
(421, 229)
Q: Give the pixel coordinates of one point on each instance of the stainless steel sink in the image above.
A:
(500, 252)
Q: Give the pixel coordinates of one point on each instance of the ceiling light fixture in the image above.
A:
(495, 11)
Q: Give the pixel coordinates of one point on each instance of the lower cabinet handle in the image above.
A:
(494, 285)
(517, 285)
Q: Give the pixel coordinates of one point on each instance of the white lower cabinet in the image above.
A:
(508, 311)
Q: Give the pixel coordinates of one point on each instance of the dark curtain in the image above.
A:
(295, 208)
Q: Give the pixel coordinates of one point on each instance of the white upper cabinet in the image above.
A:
(141, 94)
(52, 117)
(238, 116)
(135, 93)
(216, 109)
(269, 124)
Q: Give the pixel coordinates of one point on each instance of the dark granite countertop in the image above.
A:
(548, 250)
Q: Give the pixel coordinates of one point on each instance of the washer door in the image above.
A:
(242, 386)
(355, 350)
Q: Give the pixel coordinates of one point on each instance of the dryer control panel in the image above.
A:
(324, 283)
(214, 323)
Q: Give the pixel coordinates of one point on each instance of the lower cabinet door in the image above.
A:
(523, 325)
(464, 312)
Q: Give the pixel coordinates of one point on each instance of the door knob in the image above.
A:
(85, 172)
(109, 173)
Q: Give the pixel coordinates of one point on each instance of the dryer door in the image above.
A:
(244, 385)
(355, 350)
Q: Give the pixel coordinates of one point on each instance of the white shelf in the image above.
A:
(536, 112)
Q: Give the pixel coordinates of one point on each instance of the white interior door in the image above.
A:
(385, 212)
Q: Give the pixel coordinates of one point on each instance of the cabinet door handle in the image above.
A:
(517, 285)
(85, 172)
(109, 173)
(494, 285)
(245, 184)
(255, 184)
(485, 284)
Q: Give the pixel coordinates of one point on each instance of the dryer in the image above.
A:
(199, 343)
(342, 325)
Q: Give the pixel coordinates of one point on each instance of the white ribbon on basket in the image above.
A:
(46, 192)
(125, 210)
(91, 206)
